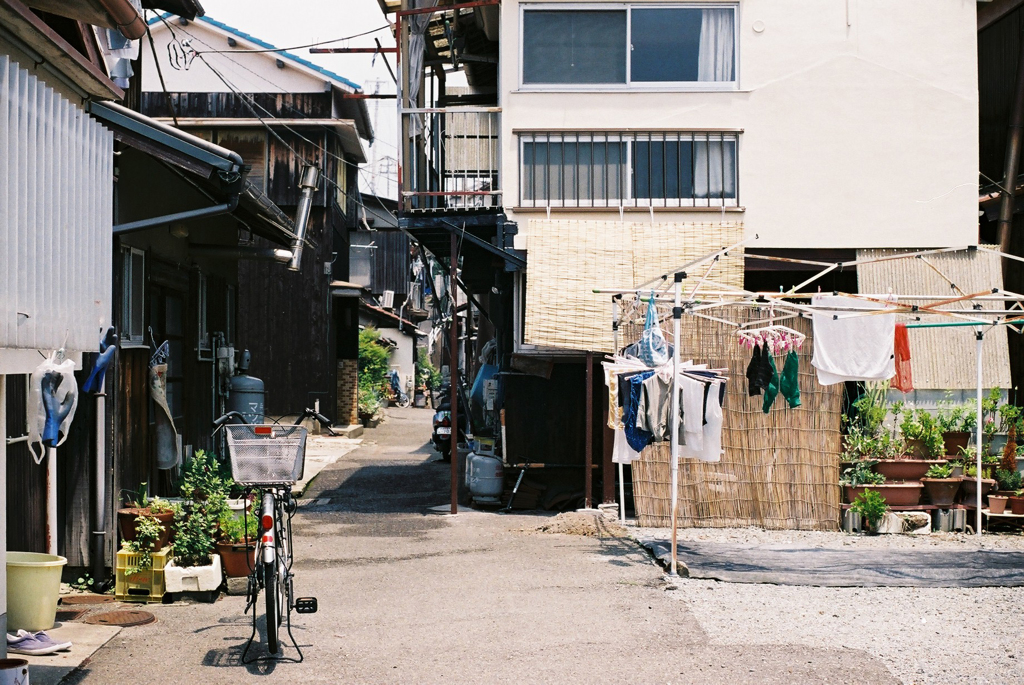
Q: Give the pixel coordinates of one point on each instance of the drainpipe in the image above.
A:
(125, 17)
(308, 181)
(276, 254)
(1014, 139)
(142, 224)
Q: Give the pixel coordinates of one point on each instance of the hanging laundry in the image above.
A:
(655, 412)
(789, 382)
(712, 433)
(754, 386)
(854, 348)
(622, 453)
(903, 380)
(637, 437)
(771, 391)
(692, 442)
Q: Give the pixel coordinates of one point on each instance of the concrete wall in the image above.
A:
(858, 129)
(247, 72)
(403, 357)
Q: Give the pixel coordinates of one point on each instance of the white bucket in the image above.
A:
(13, 672)
(33, 587)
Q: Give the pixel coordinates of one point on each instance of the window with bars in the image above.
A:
(683, 169)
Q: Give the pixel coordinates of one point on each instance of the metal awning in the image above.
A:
(216, 172)
(346, 289)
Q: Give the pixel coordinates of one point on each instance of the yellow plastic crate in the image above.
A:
(144, 586)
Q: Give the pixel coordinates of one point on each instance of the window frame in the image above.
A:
(629, 85)
(629, 138)
(127, 339)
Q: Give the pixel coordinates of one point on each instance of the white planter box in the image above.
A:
(195, 578)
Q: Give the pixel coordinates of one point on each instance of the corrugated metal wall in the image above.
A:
(56, 189)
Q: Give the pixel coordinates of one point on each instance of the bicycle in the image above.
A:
(271, 458)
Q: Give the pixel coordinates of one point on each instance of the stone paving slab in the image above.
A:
(842, 568)
(85, 639)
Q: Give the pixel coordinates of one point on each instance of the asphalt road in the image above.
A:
(414, 597)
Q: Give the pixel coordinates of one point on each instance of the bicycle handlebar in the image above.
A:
(306, 413)
(230, 415)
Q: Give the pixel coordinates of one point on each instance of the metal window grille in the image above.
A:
(656, 169)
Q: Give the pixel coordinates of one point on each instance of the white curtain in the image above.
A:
(717, 50)
(714, 169)
(417, 51)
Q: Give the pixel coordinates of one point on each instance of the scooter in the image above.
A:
(441, 436)
(401, 398)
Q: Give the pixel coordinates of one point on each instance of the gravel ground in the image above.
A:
(839, 540)
(922, 635)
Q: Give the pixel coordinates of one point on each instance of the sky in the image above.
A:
(300, 22)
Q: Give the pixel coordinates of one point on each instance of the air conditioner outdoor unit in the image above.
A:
(387, 299)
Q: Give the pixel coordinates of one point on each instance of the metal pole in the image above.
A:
(588, 476)
(51, 500)
(99, 519)
(622, 470)
(677, 313)
(1014, 140)
(979, 336)
(453, 365)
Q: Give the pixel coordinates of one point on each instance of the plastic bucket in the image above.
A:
(33, 587)
(13, 671)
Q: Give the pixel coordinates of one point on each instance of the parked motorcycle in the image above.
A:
(441, 436)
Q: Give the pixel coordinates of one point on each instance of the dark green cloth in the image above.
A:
(772, 389)
(789, 385)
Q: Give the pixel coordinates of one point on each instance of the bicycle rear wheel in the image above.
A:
(273, 609)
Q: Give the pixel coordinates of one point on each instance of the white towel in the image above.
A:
(856, 348)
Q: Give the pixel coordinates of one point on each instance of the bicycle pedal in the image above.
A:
(305, 605)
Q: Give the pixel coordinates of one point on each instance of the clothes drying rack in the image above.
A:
(707, 295)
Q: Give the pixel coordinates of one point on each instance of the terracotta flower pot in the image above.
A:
(236, 558)
(126, 524)
(954, 441)
(1017, 505)
(997, 504)
(942, 491)
(917, 448)
(895, 494)
(906, 469)
(970, 488)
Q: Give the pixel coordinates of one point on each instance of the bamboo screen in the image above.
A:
(568, 259)
(779, 470)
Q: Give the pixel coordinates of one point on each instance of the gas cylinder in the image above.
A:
(246, 393)
(485, 477)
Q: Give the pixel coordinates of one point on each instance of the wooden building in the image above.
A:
(280, 113)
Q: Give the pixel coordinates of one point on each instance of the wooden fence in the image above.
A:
(779, 470)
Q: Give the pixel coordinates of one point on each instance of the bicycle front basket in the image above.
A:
(266, 454)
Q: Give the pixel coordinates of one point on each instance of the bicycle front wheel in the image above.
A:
(270, 581)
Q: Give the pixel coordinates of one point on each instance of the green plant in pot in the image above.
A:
(148, 532)
(144, 506)
(872, 509)
(956, 422)
(237, 544)
(921, 432)
(204, 490)
(940, 485)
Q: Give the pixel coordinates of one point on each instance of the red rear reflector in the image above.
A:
(264, 430)
(267, 522)
(268, 539)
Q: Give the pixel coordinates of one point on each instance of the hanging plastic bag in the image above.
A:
(53, 398)
(653, 349)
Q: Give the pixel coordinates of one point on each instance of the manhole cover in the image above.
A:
(86, 599)
(70, 614)
(122, 618)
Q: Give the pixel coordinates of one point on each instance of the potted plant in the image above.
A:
(369, 407)
(872, 508)
(145, 507)
(1017, 502)
(147, 533)
(861, 477)
(941, 486)
(922, 434)
(997, 504)
(970, 481)
(907, 459)
(956, 423)
(1008, 482)
(237, 544)
(195, 567)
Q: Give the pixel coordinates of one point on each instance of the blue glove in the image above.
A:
(108, 346)
(55, 410)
